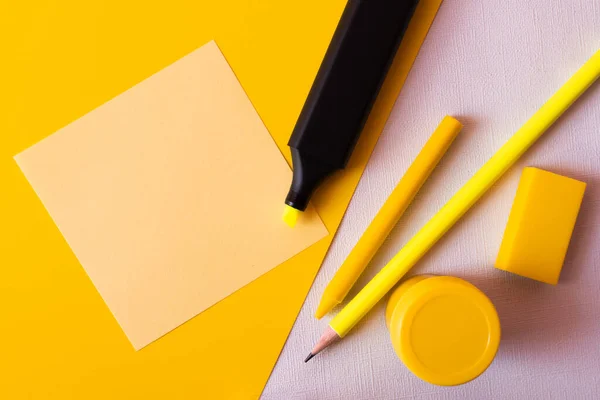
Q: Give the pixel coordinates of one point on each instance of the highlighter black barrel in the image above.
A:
(344, 91)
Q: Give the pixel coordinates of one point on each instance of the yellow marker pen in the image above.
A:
(389, 215)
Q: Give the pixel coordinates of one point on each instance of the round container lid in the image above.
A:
(445, 330)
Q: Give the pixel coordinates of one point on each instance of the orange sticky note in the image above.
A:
(170, 195)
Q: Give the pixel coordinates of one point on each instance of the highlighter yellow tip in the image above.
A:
(290, 216)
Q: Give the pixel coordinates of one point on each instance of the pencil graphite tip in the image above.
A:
(307, 359)
(290, 216)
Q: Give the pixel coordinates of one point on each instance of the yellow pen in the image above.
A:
(459, 204)
(389, 215)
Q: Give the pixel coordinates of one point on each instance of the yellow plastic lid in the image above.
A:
(445, 330)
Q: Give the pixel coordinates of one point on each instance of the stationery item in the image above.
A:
(61, 323)
(146, 190)
(389, 215)
(540, 225)
(459, 204)
(444, 329)
(343, 93)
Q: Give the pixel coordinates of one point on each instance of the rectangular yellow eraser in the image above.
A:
(540, 225)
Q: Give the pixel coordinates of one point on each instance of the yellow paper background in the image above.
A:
(60, 59)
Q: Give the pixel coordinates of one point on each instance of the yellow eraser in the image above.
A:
(540, 225)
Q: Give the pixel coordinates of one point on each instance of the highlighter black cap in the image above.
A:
(354, 68)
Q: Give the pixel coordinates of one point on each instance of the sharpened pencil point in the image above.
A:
(310, 355)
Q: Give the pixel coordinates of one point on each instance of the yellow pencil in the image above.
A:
(459, 204)
(389, 215)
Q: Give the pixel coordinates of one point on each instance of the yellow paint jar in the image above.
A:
(444, 329)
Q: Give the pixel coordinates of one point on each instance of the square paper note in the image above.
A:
(170, 195)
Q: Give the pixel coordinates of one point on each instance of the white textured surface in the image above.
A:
(491, 63)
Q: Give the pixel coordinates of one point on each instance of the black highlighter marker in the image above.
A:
(343, 93)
